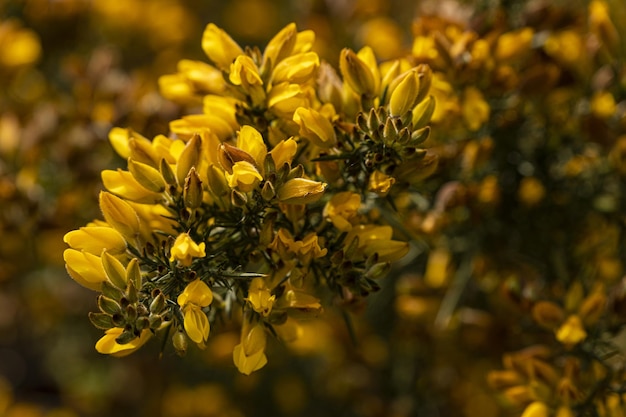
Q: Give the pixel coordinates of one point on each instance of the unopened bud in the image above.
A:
(149, 177)
(179, 340)
(356, 73)
(192, 192)
(188, 158)
(108, 305)
(268, 192)
(405, 95)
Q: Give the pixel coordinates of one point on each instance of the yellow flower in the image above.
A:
(18, 46)
(219, 47)
(251, 141)
(514, 44)
(380, 183)
(107, 344)
(315, 127)
(93, 239)
(280, 46)
(123, 184)
(300, 191)
(284, 98)
(260, 298)
(245, 177)
(185, 249)
(571, 331)
(475, 109)
(342, 208)
(85, 268)
(249, 355)
(377, 240)
(603, 104)
(244, 72)
(284, 152)
(296, 69)
(196, 296)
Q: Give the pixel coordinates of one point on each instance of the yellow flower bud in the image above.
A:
(423, 112)
(185, 249)
(189, 157)
(404, 96)
(356, 73)
(315, 127)
(115, 271)
(219, 47)
(108, 345)
(149, 177)
(300, 191)
(120, 215)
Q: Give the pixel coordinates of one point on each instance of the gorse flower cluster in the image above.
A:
(263, 207)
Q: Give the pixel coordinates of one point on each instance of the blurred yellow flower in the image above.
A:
(249, 355)
(260, 297)
(342, 208)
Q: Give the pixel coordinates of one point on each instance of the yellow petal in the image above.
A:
(85, 268)
(93, 239)
(196, 324)
(108, 345)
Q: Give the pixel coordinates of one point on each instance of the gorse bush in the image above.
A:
(490, 159)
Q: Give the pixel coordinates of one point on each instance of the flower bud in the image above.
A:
(101, 320)
(188, 158)
(114, 269)
(179, 340)
(356, 73)
(108, 305)
(192, 192)
(150, 178)
(404, 97)
(423, 112)
(119, 214)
